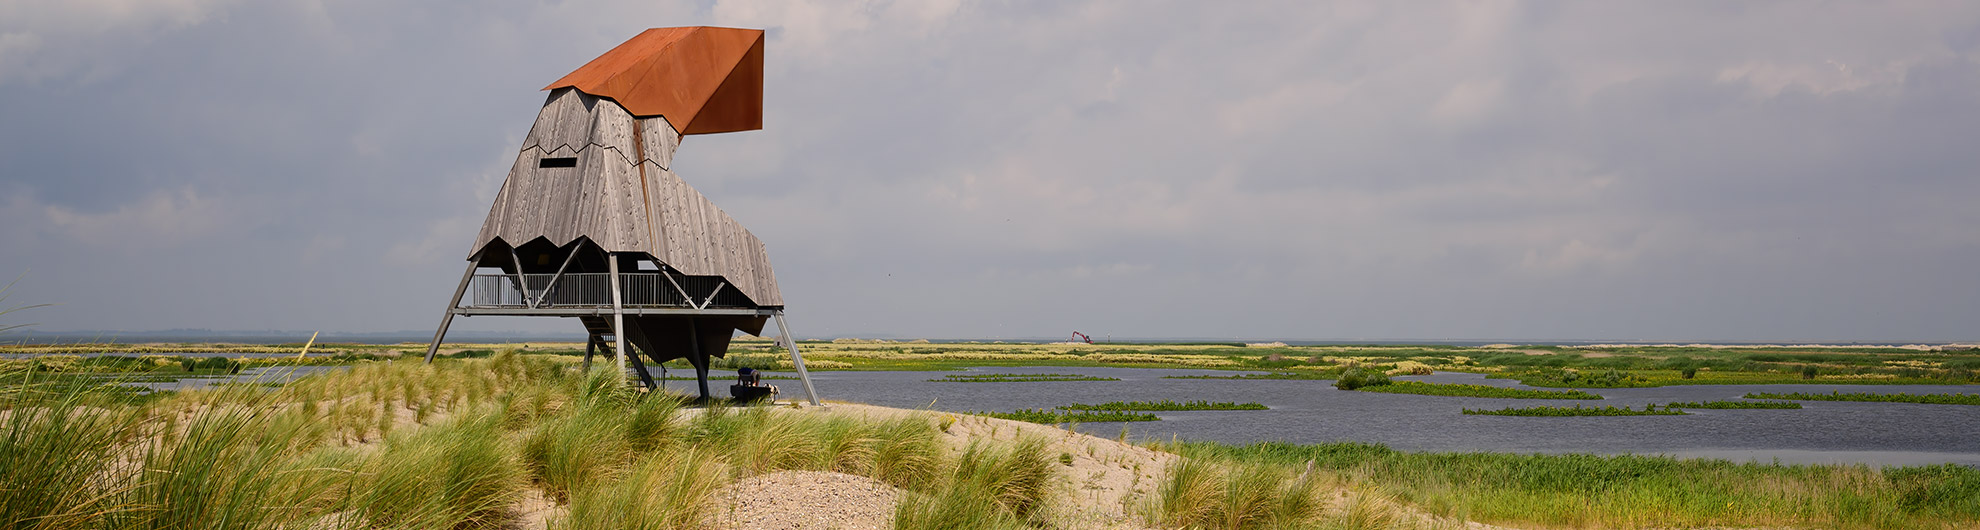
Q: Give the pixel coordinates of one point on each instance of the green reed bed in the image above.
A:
(1736, 405)
(1464, 390)
(1577, 410)
(1018, 378)
(1294, 376)
(1592, 491)
(1054, 417)
(1900, 397)
(1164, 405)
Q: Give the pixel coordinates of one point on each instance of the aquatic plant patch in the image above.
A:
(1577, 410)
(1018, 378)
(1164, 405)
(1053, 417)
(1900, 397)
(1463, 390)
(1299, 376)
(1730, 404)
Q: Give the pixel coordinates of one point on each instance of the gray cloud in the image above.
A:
(1752, 171)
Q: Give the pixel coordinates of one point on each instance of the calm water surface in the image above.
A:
(1314, 411)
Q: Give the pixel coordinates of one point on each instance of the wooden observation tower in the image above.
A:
(591, 224)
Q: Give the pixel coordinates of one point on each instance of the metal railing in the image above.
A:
(643, 289)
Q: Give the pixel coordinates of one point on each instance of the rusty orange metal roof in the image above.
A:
(702, 79)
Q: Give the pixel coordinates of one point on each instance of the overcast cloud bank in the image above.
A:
(1655, 171)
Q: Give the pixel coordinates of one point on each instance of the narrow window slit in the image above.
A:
(567, 161)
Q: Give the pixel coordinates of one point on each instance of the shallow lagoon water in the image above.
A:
(1314, 411)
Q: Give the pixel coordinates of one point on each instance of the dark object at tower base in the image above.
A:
(749, 387)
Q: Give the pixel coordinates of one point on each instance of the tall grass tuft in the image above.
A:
(961, 506)
(662, 491)
(454, 475)
(908, 454)
(1200, 494)
(1016, 475)
(650, 425)
(847, 446)
(221, 473)
(1188, 496)
(51, 448)
(773, 442)
(566, 451)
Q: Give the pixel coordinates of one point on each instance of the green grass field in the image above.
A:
(1589, 491)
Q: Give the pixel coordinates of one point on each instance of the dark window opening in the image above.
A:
(568, 161)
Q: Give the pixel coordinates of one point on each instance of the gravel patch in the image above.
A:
(806, 500)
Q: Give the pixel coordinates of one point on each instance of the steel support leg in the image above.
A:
(448, 319)
(797, 361)
(590, 346)
(618, 315)
(639, 367)
(698, 358)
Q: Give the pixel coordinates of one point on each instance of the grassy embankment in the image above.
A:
(1588, 491)
(1900, 397)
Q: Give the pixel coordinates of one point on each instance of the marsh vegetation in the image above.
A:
(1899, 397)
(1735, 405)
(1589, 491)
(1545, 411)
(1055, 417)
(1166, 405)
(1017, 378)
(1464, 390)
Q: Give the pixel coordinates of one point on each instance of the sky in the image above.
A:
(1664, 171)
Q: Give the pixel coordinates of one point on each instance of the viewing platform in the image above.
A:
(590, 294)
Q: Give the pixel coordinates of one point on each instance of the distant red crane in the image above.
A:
(1081, 337)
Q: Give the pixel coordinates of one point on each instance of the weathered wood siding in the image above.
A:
(622, 196)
